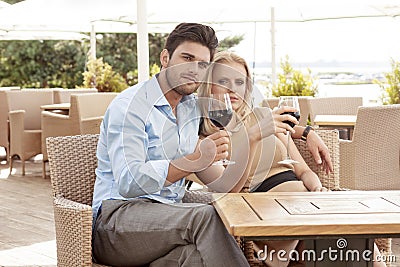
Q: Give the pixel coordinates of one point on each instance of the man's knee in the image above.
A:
(206, 213)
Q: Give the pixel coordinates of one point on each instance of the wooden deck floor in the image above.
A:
(27, 235)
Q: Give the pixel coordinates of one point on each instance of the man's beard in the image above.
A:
(181, 88)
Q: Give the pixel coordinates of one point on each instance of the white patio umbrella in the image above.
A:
(126, 15)
(55, 18)
(41, 35)
(3, 4)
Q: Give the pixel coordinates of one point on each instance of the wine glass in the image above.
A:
(220, 114)
(289, 101)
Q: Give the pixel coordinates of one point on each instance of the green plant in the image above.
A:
(132, 76)
(391, 88)
(294, 82)
(101, 75)
(42, 64)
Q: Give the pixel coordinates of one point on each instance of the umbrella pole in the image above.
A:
(142, 41)
(273, 61)
(93, 43)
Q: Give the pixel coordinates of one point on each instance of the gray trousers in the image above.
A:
(143, 232)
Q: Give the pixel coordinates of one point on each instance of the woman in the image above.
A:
(260, 131)
(230, 74)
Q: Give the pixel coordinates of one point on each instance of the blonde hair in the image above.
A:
(204, 92)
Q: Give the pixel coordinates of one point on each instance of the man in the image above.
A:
(146, 145)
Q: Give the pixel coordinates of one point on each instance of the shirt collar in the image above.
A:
(155, 94)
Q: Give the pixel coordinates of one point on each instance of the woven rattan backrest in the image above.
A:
(94, 104)
(334, 106)
(72, 161)
(30, 100)
(377, 148)
(331, 140)
(64, 95)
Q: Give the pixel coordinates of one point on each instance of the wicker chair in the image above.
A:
(374, 155)
(72, 161)
(4, 128)
(85, 116)
(334, 106)
(64, 95)
(25, 124)
(331, 181)
(371, 160)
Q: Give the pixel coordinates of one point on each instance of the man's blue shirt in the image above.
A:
(139, 136)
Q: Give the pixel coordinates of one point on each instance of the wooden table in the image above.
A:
(61, 108)
(358, 216)
(337, 121)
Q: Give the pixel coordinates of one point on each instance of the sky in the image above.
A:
(354, 40)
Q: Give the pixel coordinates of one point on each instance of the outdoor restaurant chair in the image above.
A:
(371, 160)
(333, 106)
(64, 95)
(24, 119)
(273, 102)
(72, 161)
(85, 116)
(4, 129)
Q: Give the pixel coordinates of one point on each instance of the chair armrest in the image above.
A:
(56, 125)
(16, 118)
(331, 140)
(54, 115)
(17, 127)
(73, 222)
(91, 125)
(347, 159)
(199, 196)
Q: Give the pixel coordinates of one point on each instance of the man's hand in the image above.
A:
(213, 148)
(319, 151)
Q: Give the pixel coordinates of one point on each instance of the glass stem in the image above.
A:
(287, 146)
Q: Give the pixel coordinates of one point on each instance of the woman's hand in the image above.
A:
(272, 123)
(320, 189)
(319, 151)
(279, 118)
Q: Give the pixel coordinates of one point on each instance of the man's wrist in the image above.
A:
(306, 131)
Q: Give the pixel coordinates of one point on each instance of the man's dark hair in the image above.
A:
(193, 32)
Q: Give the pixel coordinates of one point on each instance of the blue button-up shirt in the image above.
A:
(139, 136)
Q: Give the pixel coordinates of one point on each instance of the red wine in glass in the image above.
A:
(294, 114)
(220, 118)
(289, 101)
(220, 113)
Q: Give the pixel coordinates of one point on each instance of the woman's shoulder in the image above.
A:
(261, 112)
